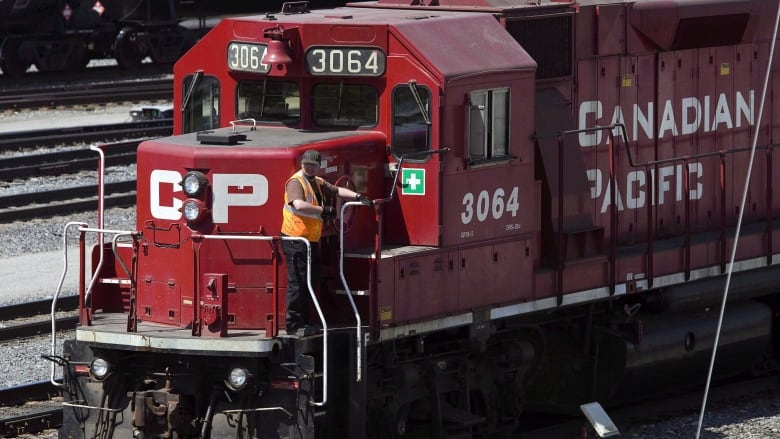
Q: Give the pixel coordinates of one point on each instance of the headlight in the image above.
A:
(193, 210)
(237, 378)
(194, 183)
(100, 368)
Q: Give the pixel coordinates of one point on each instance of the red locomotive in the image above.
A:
(557, 189)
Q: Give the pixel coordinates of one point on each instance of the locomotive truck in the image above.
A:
(558, 186)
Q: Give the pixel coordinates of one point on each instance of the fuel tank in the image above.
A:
(673, 351)
(647, 356)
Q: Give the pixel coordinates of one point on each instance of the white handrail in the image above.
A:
(359, 323)
(57, 296)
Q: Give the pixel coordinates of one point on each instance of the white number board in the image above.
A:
(345, 61)
(246, 57)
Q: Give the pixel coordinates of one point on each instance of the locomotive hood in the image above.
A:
(476, 44)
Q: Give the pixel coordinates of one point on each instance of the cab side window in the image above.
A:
(411, 132)
(201, 103)
(488, 125)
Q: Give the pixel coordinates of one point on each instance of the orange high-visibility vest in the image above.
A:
(298, 223)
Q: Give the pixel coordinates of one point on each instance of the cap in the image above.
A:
(311, 157)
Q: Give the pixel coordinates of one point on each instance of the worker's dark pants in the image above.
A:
(298, 298)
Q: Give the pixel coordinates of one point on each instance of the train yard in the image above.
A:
(47, 178)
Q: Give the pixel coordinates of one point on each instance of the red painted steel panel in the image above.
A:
(426, 286)
(502, 187)
(494, 274)
(711, 205)
(611, 29)
(675, 24)
(665, 175)
(589, 113)
(746, 97)
(632, 220)
(454, 52)
(261, 172)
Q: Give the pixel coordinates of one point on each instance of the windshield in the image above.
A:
(344, 105)
(268, 101)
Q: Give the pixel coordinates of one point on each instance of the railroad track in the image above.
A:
(656, 409)
(64, 162)
(91, 93)
(17, 140)
(65, 201)
(36, 327)
(24, 206)
(51, 417)
(41, 416)
(32, 420)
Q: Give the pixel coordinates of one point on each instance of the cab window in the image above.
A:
(268, 101)
(200, 106)
(344, 105)
(411, 132)
(488, 125)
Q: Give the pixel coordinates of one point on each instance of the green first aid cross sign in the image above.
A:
(412, 181)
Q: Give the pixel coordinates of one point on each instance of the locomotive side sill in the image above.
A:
(110, 330)
(389, 251)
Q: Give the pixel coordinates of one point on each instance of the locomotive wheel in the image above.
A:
(129, 48)
(10, 62)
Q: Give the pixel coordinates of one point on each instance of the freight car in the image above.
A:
(557, 184)
(64, 35)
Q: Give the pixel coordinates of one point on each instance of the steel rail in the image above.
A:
(36, 419)
(31, 423)
(60, 162)
(64, 194)
(39, 307)
(93, 93)
(14, 141)
(36, 328)
(66, 205)
(66, 166)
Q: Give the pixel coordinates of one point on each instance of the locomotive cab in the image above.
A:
(458, 136)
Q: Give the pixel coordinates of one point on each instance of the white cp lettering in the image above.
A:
(224, 198)
(227, 189)
(172, 209)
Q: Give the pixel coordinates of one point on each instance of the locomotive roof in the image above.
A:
(463, 43)
(263, 137)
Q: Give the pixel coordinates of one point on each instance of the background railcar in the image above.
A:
(64, 35)
(557, 188)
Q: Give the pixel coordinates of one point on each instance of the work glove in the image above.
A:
(364, 199)
(328, 212)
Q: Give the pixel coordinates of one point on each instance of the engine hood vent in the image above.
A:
(684, 24)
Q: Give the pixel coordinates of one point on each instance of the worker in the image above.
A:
(304, 211)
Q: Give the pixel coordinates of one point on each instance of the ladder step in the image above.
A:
(115, 280)
(460, 417)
